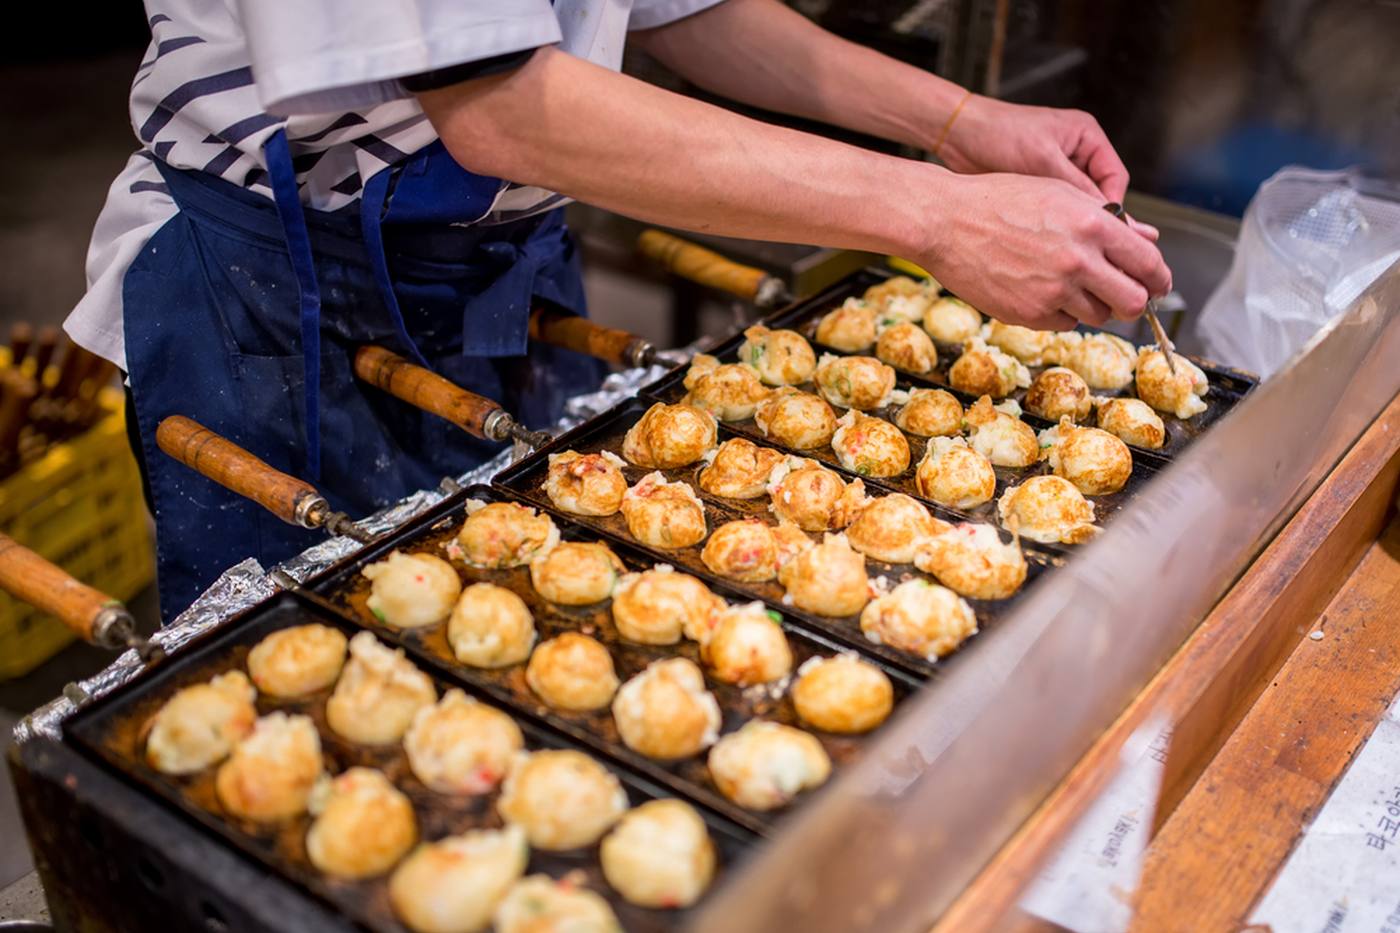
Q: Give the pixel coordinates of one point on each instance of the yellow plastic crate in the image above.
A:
(80, 506)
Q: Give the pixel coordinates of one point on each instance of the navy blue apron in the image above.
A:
(244, 313)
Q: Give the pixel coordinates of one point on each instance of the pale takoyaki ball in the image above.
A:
(504, 534)
(740, 469)
(664, 514)
(363, 825)
(199, 725)
(1003, 439)
(412, 590)
(842, 694)
(490, 627)
(747, 646)
(812, 497)
(751, 551)
(951, 320)
(298, 660)
(659, 606)
(796, 419)
(891, 528)
(905, 346)
(972, 560)
(984, 370)
(1048, 509)
(563, 799)
(461, 746)
(659, 855)
(586, 484)
(1024, 343)
(1059, 392)
(1180, 395)
(729, 391)
(780, 357)
(665, 711)
(539, 904)
(1095, 461)
(953, 474)
(931, 413)
(1133, 420)
(378, 694)
(572, 672)
(919, 617)
(670, 436)
(849, 328)
(576, 573)
(1104, 360)
(900, 286)
(270, 775)
(765, 765)
(828, 579)
(453, 885)
(859, 382)
(870, 446)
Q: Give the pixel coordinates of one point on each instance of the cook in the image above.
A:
(316, 176)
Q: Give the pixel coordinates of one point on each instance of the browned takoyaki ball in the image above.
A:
(740, 469)
(576, 573)
(1058, 392)
(659, 606)
(1132, 420)
(572, 672)
(870, 446)
(664, 514)
(780, 357)
(849, 328)
(828, 579)
(906, 346)
(953, 474)
(972, 560)
(746, 645)
(670, 436)
(1048, 509)
(1004, 439)
(1104, 360)
(799, 420)
(922, 618)
(1024, 343)
(859, 382)
(951, 320)
(842, 694)
(1095, 461)
(892, 528)
(586, 484)
(504, 534)
(812, 497)
(931, 413)
(751, 551)
(985, 370)
(1181, 394)
(729, 391)
(665, 711)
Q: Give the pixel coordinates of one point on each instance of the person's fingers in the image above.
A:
(1124, 297)
(1085, 307)
(1135, 255)
(1096, 156)
(1060, 166)
(1056, 320)
(1147, 230)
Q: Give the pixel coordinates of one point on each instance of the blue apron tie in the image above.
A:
(371, 214)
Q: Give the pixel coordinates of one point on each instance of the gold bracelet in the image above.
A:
(948, 127)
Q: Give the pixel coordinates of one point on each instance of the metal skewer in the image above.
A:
(1164, 343)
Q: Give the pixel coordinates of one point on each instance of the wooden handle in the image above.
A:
(44, 349)
(425, 389)
(234, 468)
(47, 587)
(571, 332)
(21, 338)
(701, 265)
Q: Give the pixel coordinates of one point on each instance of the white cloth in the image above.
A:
(221, 76)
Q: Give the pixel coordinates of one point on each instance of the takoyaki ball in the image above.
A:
(796, 419)
(659, 855)
(781, 357)
(1024, 343)
(905, 346)
(505, 534)
(461, 746)
(842, 694)
(870, 446)
(1003, 439)
(378, 694)
(859, 382)
(1133, 420)
(919, 617)
(576, 573)
(586, 484)
(563, 799)
(270, 775)
(972, 560)
(849, 328)
(664, 514)
(1181, 395)
(1059, 392)
(984, 370)
(828, 579)
(490, 627)
(669, 436)
(765, 765)
(659, 606)
(1048, 509)
(891, 528)
(747, 646)
(296, 661)
(729, 391)
(411, 590)
(951, 320)
(539, 904)
(953, 474)
(199, 725)
(1104, 360)
(572, 672)
(1095, 461)
(898, 286)
(740, 469)
(453, 885)
(751, 551)
(665, 711)
(812, 497)
(931, 413)
(363, 825)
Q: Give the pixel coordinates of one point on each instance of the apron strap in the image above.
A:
(372, 199)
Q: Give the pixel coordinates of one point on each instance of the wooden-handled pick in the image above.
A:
(706, 267)
(293, 500)
(559, 328)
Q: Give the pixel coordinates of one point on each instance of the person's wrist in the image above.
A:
(922, 212)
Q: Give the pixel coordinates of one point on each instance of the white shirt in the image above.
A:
(221, 76)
